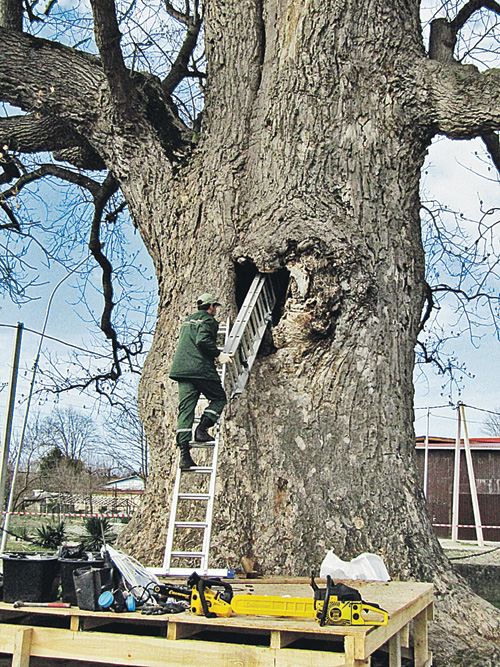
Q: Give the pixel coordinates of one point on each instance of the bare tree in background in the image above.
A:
(125, 443)
(492, 424)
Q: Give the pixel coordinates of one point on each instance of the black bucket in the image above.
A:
(30, 577)
(89, 584)
(68, 567)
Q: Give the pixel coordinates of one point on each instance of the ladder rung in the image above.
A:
(199, 469)
(187, 554)
(193, 496)
(193, 443)
(190, 524)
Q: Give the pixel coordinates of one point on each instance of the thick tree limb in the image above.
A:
(33, 133)
(72, 86)
(108, 36)
(65, 82)
(443, 37)
(465, 103)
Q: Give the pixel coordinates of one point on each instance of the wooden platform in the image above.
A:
(185, 640)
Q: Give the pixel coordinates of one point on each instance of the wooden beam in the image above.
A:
(420, 647)
(178, 630)
(350, 649)
(405, 634)
(395, 650)
(280, 639)
(22, 647)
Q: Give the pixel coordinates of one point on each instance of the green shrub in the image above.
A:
(50, 535)
(98, 532)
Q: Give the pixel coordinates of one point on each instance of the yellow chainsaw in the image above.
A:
(337, 604)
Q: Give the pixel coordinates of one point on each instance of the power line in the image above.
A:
(454, 407)
(58, 340)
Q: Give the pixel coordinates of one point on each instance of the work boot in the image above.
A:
(201, 434)
(185, 460)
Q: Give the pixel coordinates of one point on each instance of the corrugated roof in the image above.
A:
(449, 443)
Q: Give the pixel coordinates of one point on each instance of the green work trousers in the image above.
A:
(189, 394)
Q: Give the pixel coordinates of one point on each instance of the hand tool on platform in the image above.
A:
(337, 604)
(60, 605)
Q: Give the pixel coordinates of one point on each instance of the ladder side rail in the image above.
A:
(244, 313)
(210, 506)
(252, 347)
(171, 522)
(207, 534)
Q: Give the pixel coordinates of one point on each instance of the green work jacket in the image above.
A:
(197, 348)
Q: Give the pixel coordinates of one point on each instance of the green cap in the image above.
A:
(207, 299)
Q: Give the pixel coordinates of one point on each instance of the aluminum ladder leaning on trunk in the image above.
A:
(242, 342)
(247, 332)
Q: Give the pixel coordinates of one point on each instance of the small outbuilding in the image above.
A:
(441, 460)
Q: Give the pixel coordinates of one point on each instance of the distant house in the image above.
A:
(119, 496)
(133, 483)
(486, 463)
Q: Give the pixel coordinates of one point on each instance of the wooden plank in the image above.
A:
(405, 635)
(395, 650)
(352, 649)
(280, 639)
(291, 658)
(178, 630)
(420, 647)
(115, 649)
(139, 651)
(397, 620)
(22, 647)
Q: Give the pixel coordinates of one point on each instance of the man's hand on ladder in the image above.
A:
(225, 358)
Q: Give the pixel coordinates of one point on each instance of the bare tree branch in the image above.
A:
(429, 306)
(469, 9)
(14, 223)
(182, 17)
(492, 143)
(50, 170)
(179, 68)
(108, 38)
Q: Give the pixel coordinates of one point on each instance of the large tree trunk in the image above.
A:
(310, 160)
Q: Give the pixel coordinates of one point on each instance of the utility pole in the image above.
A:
(10, 503)
(4, 451)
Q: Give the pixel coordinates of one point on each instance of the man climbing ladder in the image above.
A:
(193, 368)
